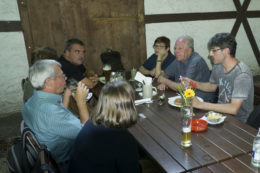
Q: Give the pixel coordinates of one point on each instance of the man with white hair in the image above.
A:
(189, 64)
(45, 114)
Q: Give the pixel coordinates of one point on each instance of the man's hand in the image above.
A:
(161, 79)
(94, 79)
(185, 80)
(81, 93)
(161, 87)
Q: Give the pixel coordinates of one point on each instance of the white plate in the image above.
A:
(102, 79)
(212, 123)
(141, 93)
(90, 94)
(172, 99)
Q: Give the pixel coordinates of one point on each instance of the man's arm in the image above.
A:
(203, 86)
(80, 97)
(171, 84)
(230, 108)
(66, 97)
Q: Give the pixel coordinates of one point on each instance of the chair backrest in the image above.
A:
(254, 118)
(37, 154)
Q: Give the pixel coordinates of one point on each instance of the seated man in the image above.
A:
(40, 52)
(72, 63)
(162, 56)
(187, 64)
(53, 124)
(233, 77)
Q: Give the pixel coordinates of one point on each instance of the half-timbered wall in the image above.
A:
(201, 19)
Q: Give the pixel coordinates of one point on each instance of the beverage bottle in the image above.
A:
(256, 151)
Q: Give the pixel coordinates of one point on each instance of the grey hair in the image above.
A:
(190, 41)
(41, 70)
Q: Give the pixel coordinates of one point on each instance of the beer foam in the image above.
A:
(186, 129)
(107, 67)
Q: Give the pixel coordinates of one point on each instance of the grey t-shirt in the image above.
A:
(194, 68)
(235, 84)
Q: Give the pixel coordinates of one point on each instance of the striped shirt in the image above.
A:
(53, 124)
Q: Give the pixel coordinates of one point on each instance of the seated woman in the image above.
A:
(104, 144)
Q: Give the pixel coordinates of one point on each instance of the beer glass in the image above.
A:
(107, 72)
(186, 118)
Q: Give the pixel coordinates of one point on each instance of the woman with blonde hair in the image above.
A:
(104, 144)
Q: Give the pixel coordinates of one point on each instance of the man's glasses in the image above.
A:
(158, 46)
(214, 50)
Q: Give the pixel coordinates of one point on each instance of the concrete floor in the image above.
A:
(9, 133)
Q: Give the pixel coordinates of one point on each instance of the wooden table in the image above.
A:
(239, 164)
(160, 135)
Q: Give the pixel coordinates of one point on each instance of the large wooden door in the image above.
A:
(101, 24)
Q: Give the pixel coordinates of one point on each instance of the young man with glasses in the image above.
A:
(162, 57)
(231, 76)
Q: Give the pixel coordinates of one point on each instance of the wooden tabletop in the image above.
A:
(160, 135)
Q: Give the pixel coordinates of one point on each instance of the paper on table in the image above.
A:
(141, 101)
(143, 79)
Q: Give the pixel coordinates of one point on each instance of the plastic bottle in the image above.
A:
(256, 151)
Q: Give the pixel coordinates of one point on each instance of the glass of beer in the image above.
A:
(186, 118)
(107, 72)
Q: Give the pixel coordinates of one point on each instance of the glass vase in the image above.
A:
(186, 119)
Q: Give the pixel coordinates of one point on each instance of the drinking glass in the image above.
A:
(186, 119)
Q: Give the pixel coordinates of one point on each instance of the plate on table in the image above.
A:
(102, 79)
(176, 101)
(90, 94)
(221, 120)
(141, 93)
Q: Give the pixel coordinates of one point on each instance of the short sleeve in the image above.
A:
(242, 86)
(213, 76)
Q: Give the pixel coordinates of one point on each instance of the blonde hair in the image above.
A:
(115, 107)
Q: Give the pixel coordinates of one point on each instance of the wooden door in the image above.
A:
(100, 24)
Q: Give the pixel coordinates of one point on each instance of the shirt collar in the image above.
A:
(53, 98)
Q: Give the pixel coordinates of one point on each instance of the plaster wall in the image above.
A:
(202, 31)
(14, 65)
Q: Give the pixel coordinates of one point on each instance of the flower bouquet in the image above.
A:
(187, 92)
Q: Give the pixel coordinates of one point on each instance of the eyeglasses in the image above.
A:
(63, 76)
(158, 46)
(214, 50)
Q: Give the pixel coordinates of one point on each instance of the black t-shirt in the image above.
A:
(71, 70)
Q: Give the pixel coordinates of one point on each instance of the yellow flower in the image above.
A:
(189, 93)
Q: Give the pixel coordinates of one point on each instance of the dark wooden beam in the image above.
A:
(10, 26)
(253, 14)
(159, 18)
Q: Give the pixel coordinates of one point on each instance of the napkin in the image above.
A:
(141, 101)
(143, 79)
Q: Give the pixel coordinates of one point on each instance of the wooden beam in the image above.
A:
(10, 26)
(159, 18)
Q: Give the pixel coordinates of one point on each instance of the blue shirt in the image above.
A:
(53, 124)
(150, 63)
(195, 68)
